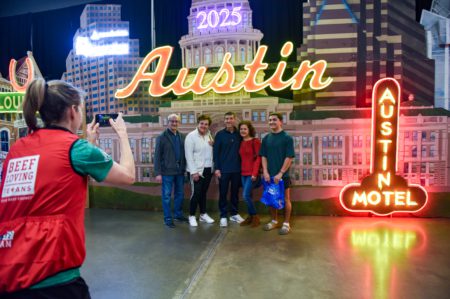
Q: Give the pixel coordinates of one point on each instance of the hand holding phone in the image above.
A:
(103, 118)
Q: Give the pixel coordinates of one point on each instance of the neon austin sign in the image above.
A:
(224, 18)
(383, 192)
(224, 80)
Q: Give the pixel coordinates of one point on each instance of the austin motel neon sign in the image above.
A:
(224, 80)
(383, 192)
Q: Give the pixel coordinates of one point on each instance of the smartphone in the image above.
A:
(103, 119)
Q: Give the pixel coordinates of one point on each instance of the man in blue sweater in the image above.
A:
(227, 164)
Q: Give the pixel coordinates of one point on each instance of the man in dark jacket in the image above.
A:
(227, 163)
(170, 165)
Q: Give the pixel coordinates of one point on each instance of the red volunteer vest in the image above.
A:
(41, 210)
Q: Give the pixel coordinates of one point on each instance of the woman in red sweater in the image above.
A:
(250, 165)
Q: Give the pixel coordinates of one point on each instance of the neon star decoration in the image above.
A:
(383, 192)
(223, 81)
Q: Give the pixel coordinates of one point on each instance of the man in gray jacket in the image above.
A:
(170, 165)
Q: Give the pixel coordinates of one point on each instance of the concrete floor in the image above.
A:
(131, 255)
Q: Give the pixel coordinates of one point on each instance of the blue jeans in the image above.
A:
(247, 194)
(177, 183)
(227, 179)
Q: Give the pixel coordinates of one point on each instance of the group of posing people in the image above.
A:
(45, 175)
(235, 156)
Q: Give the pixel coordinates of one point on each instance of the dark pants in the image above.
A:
(199, 190)
(224, 183)
(75, 289)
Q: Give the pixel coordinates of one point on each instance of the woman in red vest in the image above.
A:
(44, 185)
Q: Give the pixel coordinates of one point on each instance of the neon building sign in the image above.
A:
(214, 19)
(85, 47)
(224, 80)
(383, 192)
(11, 102)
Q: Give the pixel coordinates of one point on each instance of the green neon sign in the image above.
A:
(11, 102)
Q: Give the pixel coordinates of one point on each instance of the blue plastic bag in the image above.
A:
(273, 194)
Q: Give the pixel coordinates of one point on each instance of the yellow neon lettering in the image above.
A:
(386, 180)
(359, 198)
(383, 111)
(373, 194)
(387, 96)
(387, 197)
(385, 144)
(386, 128)
(399, 198)
(409, 202)
(385, 163)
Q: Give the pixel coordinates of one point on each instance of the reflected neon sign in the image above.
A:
(223, 18)
(385, 247)
(383, 192)
(224, 80)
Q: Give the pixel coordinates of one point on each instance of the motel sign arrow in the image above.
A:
(383, 192)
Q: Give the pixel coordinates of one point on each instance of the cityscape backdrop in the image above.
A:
(362, 40)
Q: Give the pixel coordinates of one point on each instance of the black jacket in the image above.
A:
(164, 160)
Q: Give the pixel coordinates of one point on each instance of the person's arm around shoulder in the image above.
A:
(124, 171)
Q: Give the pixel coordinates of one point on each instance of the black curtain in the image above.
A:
(50, 34)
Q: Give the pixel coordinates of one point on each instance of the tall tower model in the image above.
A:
(437, 25)
(103, 59)
(363, 41)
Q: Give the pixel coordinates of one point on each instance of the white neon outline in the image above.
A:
(225, 21)
(207, 22)
(202, 26)
(106, 34)
(84, 47)
(216, 17)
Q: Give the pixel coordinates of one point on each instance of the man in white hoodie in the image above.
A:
(199, 163)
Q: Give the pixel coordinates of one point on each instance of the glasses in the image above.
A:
(173, 121)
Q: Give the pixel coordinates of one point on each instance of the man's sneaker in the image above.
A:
(205, 218)
(192, 221)
(236, 218)
(271, 225)
(284, 230)
(181, 219)
(223, 222)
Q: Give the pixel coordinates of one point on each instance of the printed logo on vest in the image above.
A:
(20, 178)
(7, 239)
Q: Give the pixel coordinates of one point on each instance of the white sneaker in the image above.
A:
(205, 218)
(236, 218)
(223, 222)
(192, 221)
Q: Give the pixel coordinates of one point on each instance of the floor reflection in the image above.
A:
(384, 247)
